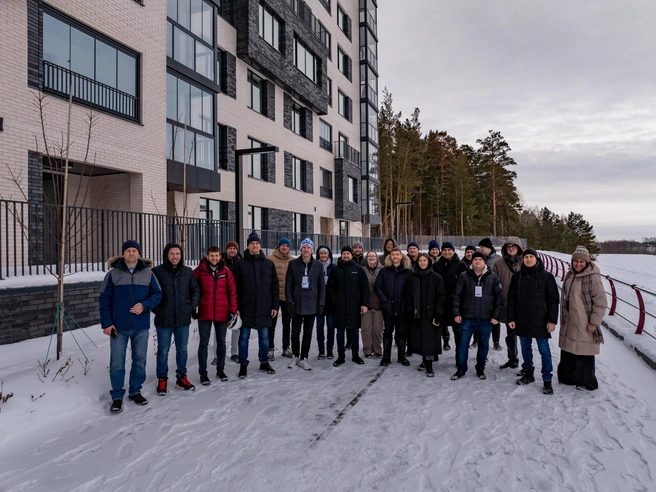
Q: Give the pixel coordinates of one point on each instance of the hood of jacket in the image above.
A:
(512, 240)
(385, 253)
(165, 256)
(405, 261)
(114, 261)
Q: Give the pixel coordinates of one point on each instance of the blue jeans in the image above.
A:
(482, 328)
(325, 320)
(117, 348)
(262, 342)
(204, 332)
(164, 335)
(545, 353)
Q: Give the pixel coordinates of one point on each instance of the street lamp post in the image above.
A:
(396, 216)
(239, 187)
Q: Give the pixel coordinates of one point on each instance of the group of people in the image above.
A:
(410, 299)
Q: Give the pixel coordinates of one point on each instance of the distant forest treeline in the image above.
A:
(646, 247)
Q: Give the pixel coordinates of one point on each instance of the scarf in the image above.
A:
(326, 264)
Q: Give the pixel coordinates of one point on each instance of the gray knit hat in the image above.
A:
(581, 253)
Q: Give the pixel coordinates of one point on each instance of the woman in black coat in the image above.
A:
(533, 301)
(425, 296)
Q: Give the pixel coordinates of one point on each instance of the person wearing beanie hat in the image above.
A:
(477, 305)
(485, 245)
(258, 297)
(348, 290)
(449, 267)
(305, 294)
(533, 313)
(230, 257)
(358, 254)
(129, 292)
(583, 307)
(434, 250)
(509, 263)
(448, 244)
(532, 252)
(253, 237)
(413, 254)
(469, 251)
(281, 257)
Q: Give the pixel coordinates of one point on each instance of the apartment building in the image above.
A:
(178, 87)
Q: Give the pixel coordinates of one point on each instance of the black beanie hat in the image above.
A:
(479, 254)
(487, 242)
(347, 248)
(530, 251)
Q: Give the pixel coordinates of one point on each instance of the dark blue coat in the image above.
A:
(488, 306)
(390, 286)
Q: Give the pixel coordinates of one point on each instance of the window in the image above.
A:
(257, 218)
(189, 105)
(352, 190)
(343, 63)
(269, 27)
(299, 174)
(343, 22)
(222, 70)
(300, 223)
(368, 48)
(368, 85)
(368, 14)
(343, 228)
(325, 136)
(190, 35)
(374, 199)
(222, 140)
(213, 209)
(326, 188)
(306, 62)
(344, 105)
(369, 159)
(257, 163)
(369, 122)
(255, 93)
(103, 73)
(326, 4)
(298, 125)
(329, 90)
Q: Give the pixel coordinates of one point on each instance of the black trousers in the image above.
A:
(354, 336)
(511, 344)
(394, 325)
(286, 321)
(307, 324)
(577, 370)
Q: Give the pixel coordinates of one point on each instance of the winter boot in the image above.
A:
(459, 374)
(138, 399)
(547, 388)
(204, 379)
(243, 370)
(161, 386)
(339, 361)
(220, 374)
(116, 406)
(429, 369)
(401, 359)
(272, 355)
(422, 366)
(511, 363)
(330, 355)
(321, 356)
(497, 346)
(265, 368)
(527, 378)
(387, 352)
(183, 383)
(357, 359)
(446, 347)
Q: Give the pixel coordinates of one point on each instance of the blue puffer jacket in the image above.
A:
(121, 290)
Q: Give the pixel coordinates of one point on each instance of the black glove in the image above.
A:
(229, 318)
(320, 311)
(194, 314)
(290, 310)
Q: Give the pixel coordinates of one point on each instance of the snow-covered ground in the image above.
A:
(354, 428)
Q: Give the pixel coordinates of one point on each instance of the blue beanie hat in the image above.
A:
(449, 245)
(253, 237)
(131, 243)
(413, 243)
(307, 242)
(282, 241)
(433, 244)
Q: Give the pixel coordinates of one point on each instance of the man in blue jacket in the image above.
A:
(128, 294)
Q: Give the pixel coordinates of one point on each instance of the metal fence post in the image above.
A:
(641, 304)
(613, 293)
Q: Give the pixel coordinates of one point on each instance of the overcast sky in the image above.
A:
(570, 84)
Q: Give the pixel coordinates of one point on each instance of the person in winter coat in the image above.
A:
(258, 298)
(533, 313)
(325, 258)
(349, 292)
(230, 257)
(583, 306)
(128, 293)
(413, 253)
(509, 263)
(281, 258)
(425, 296)
(449, 267)
(305, 292)
(477, 305)
(180, 295)
(218, 304)
(390, 289)
(358, 254)
(490, 252)
(390, 244)
(469, 252)
(372, 320)
(434, 250)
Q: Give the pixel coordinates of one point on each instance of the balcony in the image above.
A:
(368, 19)
(57, 80)
(367, 55)
(305, 13)
(344, 151)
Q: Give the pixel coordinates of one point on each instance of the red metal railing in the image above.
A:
(558, 268)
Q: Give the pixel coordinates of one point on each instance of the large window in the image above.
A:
(344, 105)
(256, 93)
(352, 190)
(369, 159)
(257, 163)
(369, 122)
(343, 63)
(368, 84)
(257, 218)
(343, 228)
(190, 35)
(326, 188)
(213, 209)
(189, 105)
(306, 61)
(343, 22)
(222, 140)
(325, 136)
(300, 223)
(269, 27)
(299, 174)
(102, 73)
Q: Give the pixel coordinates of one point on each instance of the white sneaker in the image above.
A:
(293, 363)
(305, 365)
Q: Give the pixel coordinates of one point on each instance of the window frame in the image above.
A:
(275, 41)
(299, 174)
(263, 164)
(316, 71)
(260, 84)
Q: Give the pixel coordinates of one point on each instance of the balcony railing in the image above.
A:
(325, 144)
(344, 151)
(57, 80)
(370, 94)
(368, 55)
(325, 192)
(305, 13)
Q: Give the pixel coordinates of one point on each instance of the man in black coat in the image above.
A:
(390, 289)
(258, 301)
(533, 301)
(477, 305)
(348, 289)
(180, 295)
(449, 267)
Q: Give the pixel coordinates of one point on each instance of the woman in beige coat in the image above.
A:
(583, 306)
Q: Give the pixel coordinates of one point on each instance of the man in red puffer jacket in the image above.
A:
(218, 304)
